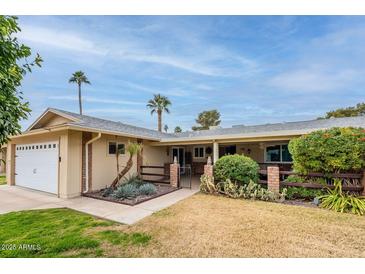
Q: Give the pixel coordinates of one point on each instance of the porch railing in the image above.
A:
(350, 181)
(163, 178)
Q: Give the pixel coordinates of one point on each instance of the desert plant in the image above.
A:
(329, 151)
(106, 192)
(133, 148)
(251, 190)
(133, 179)
(237, 168)
(147, 189)
(128, 191)
(340, 201)
(207, 184)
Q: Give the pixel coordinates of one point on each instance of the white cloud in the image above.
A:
(96, 100)
(59, 39)
(314, 79)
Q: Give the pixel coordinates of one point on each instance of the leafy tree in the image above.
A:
(159, 104)
(177, 129)
(166, 128)
(358, 110)
(207, 119)
(79, 78)
(14, 65)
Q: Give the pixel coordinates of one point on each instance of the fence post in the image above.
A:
(174, 173)
(273, 178)
(208, 168)
(363, 182)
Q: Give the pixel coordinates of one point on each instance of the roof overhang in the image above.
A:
(47, 111)
(232, 138)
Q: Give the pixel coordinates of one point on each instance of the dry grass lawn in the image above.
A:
(209, 226)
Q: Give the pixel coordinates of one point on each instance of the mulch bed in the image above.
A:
(161, 190)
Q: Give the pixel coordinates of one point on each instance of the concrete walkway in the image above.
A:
(13, 198)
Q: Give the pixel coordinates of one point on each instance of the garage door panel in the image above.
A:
(37, 166)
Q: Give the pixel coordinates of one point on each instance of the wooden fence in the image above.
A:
(350, 181)
(160, 177)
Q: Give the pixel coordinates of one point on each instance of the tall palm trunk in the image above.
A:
(123, 172)
(80, 105)
(159, 114)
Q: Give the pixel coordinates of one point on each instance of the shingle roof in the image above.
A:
(358, 121)
(102, 124)
(241, 130)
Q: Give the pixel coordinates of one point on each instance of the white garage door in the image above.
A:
(36, 166)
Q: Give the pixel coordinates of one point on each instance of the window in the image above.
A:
(278, 153)
(198, 152)
(112, 148)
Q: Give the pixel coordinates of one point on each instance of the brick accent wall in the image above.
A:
(208, 170)
(174, 175)
(273, 178)
(86, 136)
(139, 158)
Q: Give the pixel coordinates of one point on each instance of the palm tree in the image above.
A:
(166, 128)
(159, 104)
(79, 77)
(133, 148)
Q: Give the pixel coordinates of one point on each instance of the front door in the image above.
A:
(179, 153)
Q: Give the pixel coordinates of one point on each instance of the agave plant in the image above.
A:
(340, 201)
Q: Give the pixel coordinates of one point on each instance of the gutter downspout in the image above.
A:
(87, 160)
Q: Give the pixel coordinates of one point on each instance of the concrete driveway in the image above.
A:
(13, 198)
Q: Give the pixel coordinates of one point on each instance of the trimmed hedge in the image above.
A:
(237, 168)
(329, 151)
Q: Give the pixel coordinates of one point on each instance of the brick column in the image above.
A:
(174, 174)
(363, 183)
(273, 178)
(208, 168)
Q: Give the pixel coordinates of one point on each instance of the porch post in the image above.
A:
(208, 168)
(215, 152)
(175, 173)
(273, 178)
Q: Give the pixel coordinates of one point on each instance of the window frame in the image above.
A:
(199, 147)
(281, 154)
(116, 148)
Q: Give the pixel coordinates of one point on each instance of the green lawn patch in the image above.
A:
(2, 180)
(59, 233)
(120, 238)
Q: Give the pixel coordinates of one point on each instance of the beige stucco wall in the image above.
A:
(104, 166)
(257, 152)
(155, 156)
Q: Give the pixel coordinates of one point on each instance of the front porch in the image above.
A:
(192, 158)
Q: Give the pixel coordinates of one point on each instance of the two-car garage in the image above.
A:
(36, 166)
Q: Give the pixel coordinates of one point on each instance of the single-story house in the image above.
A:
(68, 154)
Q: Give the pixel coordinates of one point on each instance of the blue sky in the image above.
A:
(253, 69)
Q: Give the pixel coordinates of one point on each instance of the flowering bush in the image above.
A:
(329, 151)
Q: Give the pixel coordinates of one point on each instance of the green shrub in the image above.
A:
(237, 168)
(339, 201)
(303, 193)
(126, 191)
(329, 151)
(147, 189)
(295, 179)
